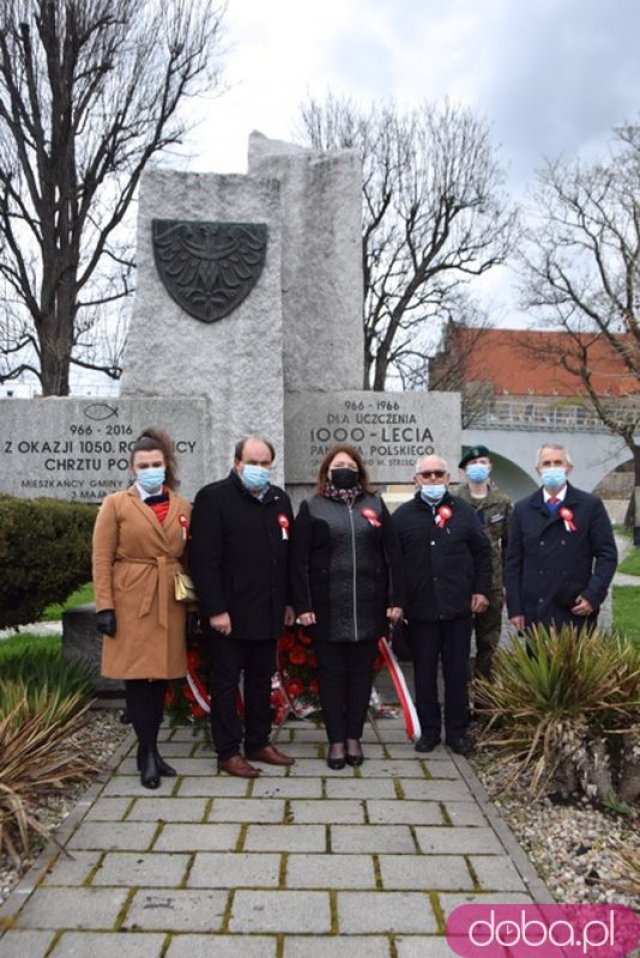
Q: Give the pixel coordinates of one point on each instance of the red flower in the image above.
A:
(314, 686)
(294, 688)
(197, 711)
(297, 655)
(169, 696)
(312, 661)
(193, 660)
(286, 642)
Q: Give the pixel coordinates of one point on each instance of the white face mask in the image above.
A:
(433, 493)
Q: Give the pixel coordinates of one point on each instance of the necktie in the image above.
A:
(553, 503)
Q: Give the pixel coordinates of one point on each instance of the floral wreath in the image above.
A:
(294, 686)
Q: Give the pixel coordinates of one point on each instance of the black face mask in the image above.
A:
(344, 478)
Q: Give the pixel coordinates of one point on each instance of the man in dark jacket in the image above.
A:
(239, 556)
(447, 561)
(561, 555)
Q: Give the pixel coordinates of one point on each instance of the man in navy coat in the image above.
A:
(447, 560)
(561, 555)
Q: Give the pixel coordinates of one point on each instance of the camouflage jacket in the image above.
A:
(494, 514)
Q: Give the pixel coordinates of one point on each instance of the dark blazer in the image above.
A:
(444, 566)
(239, 557)
(548, 566)
(346, 568)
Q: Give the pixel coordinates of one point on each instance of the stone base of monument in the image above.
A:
(81, 643)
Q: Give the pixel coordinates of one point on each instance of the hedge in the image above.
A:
(45, 553)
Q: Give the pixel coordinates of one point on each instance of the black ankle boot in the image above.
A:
(149, 771)
(163, 767)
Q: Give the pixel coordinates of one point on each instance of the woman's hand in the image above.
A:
(106, 622)
(307, 618)
(394, 614)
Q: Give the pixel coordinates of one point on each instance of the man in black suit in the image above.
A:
(561, 555)
(239, 555)
(447, 560)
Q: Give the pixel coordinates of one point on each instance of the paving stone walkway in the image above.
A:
(300, 862)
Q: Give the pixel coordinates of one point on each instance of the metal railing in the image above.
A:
(539, 414)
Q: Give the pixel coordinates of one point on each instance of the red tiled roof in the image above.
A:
(528, 362)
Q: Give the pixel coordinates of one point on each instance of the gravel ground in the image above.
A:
(574, 847)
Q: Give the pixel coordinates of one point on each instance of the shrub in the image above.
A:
(45, 553)
(568, 712)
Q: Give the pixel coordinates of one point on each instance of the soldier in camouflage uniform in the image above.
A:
(493, 509)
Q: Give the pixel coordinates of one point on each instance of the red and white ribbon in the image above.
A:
(567, 517)
(199, 692)
(372, 517)
(283, 522)
(411, 720)
(184, 522)
(443, 515)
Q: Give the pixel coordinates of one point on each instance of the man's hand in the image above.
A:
(289, 615)
(394, 614)
(517, 621)
(221, 623)
(479, 603)
(582, 607)
(307, 618)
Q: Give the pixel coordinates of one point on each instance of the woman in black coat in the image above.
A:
(347, 583)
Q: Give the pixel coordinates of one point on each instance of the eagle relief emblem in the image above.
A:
(208, 268)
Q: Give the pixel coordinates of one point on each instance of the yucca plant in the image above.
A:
(566, 708)
(38, 757)
(43, 676)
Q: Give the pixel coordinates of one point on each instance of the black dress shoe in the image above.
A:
(461, 745)
(336, 757)
(163, 767)
(427, 742)
(336, 763)
(354, 756)
(149, 771)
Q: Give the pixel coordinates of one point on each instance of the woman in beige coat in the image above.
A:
(139, 543)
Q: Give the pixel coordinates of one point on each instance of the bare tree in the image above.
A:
(581, 273)
(90, 92)
(434, 217)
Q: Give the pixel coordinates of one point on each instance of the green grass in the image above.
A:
(16, 644)
(626, 610)
(631, 563)
(81, 596)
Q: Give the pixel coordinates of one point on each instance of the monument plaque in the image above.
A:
(390, 430)
(78, 449)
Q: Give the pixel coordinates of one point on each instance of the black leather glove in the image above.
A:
(106, 622)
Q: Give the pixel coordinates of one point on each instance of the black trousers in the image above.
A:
(345, 675)
(450, 642)
(229, 659)
(145, 705)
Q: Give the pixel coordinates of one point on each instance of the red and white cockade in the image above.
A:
(371, 516)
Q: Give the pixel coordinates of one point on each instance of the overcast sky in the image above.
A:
(551, 76)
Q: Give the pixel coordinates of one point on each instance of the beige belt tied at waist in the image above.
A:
(160, 582)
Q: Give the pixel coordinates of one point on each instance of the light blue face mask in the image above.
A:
(255, 478)
(151, 480)
(433, 494)
(553, 478)
(478, 472)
